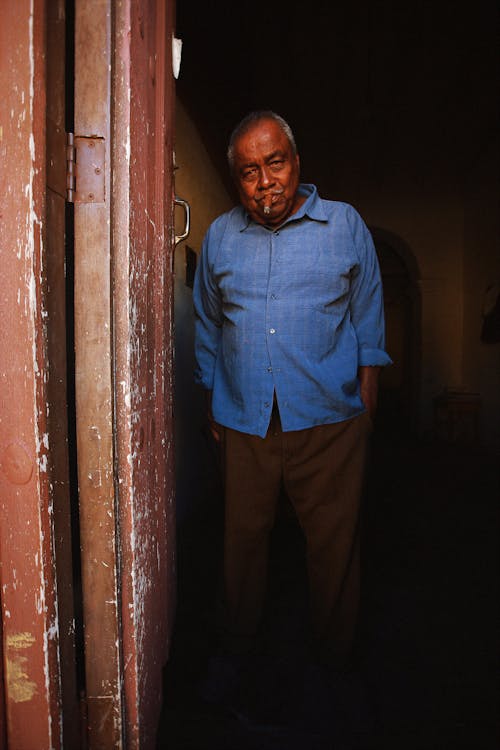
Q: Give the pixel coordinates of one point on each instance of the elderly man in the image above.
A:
(289, 343)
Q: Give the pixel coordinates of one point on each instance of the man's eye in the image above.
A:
(277, 164)
(249, 173)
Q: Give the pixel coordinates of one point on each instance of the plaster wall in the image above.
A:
(198, 182)
(454, 235)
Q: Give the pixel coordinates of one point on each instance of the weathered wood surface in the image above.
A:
(142, 305)
(27, 575)
(94, 390)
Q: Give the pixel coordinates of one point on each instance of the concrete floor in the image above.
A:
(425, 673)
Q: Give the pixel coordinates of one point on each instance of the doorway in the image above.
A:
(399, 398)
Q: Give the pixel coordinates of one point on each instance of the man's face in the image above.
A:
(266, 172)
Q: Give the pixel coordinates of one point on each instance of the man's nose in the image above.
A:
(265, 178)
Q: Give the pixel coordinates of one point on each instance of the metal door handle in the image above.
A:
(180, 202)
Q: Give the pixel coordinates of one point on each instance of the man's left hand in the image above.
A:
(368, 379)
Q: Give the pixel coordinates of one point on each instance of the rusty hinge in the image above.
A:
(85, 171)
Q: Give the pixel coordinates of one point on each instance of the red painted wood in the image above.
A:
(3, 720)
(94, 388)
(27, 576)
(123, 303)
(143, 200)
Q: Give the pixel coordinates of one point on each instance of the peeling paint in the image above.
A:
(20, 688)
(20, 641)
(53, 632)
(39, 602)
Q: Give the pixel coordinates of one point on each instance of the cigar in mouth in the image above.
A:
(268, 202)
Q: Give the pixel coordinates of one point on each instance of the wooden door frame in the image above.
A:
(28, 577)
(93, 383)
(142, 272)
(33, 438)
(125, 453)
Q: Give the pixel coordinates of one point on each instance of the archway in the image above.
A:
(399, 391)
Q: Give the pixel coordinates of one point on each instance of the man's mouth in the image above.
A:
(269, 200)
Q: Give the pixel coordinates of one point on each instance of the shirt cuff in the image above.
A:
(373, 358)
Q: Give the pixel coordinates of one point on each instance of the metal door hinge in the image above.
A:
(85, 170)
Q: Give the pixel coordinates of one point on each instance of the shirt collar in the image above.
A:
(312, 208)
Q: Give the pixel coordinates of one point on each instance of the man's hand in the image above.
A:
(214, 427)
(368, 379)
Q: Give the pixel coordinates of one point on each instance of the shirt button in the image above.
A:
(269, 369)
(267, 404)
(272, 330)
(273, 296)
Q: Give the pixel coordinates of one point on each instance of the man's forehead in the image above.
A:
(263, 133)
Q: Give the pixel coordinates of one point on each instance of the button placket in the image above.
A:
(271, 297)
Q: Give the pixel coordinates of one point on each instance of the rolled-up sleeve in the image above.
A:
(366, 303)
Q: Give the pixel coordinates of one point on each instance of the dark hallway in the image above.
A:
(394, 111)
(425, 673)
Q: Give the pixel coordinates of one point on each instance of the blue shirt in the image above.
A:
(293, 310)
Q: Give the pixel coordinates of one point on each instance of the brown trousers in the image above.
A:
(322, 470)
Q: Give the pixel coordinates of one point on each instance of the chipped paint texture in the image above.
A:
(143, 355)
(94, 385)
(30, 626)
(20, 688)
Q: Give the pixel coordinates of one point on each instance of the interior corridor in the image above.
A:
(424, 676)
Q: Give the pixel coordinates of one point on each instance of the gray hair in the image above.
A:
(246, 124)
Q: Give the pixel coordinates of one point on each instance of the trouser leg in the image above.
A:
(324, 474)
(252, 487)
